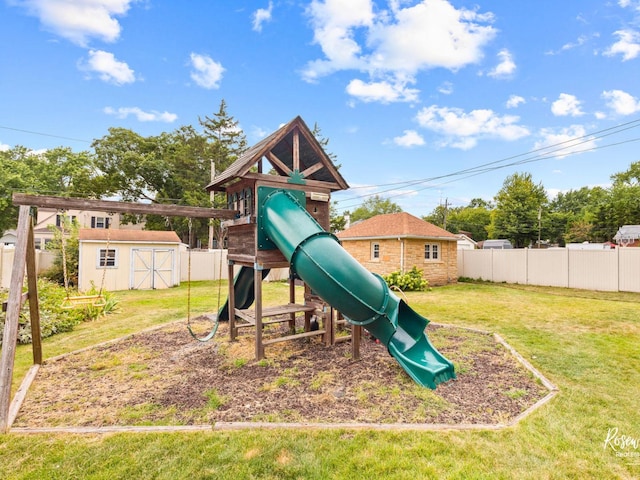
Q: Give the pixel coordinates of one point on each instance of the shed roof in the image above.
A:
(627, 233)
(400, 224)
(314, 163)
(116, 235)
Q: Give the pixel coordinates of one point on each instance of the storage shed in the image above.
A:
(128, 259)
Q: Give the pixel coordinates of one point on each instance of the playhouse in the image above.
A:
(292, 159)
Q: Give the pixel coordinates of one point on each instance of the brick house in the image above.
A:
(399, 241)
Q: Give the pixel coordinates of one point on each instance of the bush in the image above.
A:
(409, 281)
(53, 318)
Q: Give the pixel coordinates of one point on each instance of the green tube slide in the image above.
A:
(364, 298)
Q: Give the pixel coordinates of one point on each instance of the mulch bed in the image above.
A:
(165, 377)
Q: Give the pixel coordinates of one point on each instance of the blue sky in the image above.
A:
(410, 93)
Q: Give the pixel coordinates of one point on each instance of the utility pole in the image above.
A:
(212, 197)
(539, 223)
(446, 206)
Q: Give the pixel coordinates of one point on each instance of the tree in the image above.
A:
(571, 215)
(226, 139)
(172, 168)
(473, 218)
(337, 222)
(625, 197)
(373, 206)
(518, 205)
(437, 216)
(324, 142)
(58, 171)
(227, 143)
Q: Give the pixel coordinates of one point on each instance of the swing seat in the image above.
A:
(82, 301)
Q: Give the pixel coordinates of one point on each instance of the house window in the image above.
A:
(431, 251)
(61, 218)
(100, 222)
(107, 258)
(375, 251)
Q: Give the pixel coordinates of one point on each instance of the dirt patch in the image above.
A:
(165, 377)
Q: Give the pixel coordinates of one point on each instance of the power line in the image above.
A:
(542, 153)
(45, 134)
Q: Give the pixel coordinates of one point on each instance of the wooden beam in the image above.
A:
(278, 163)
(312, 169)
(10, 335)
(34, 307)
(21, 393)
(257, 285)
(66, 203)
(285, 181)
(23, 299)
(296, 150)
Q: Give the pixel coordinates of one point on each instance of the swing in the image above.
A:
(214, 328)
(80, 301)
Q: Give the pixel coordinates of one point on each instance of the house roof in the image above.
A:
(395, 225)
(314, 163)
(466, 238)
(115, 235)
(627, 233)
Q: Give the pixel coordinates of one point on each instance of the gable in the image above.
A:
(293, 152)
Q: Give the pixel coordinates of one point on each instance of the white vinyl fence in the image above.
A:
(205, 265)
(606, 270)
(212, 265)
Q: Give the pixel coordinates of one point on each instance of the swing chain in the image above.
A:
(106, 254)
(63, 251)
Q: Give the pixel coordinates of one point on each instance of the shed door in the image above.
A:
(151, 268)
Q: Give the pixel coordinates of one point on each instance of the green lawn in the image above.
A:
(586, 343)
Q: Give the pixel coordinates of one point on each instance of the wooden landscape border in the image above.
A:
(231, 426)
(24, 258)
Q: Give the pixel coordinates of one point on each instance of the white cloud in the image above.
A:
(79, 21)
(515, 101)
(207, 73)
(566, 105)
(446, 88)
(506, 67)
(141, 115)
(581, 40)
(108, 69)
(465, 129)
(258, 132)
(4, 147)
(621, 102)
(564, 142)
(261, 16)
(383, 92)
(395, 44)
(628, 45)
(430, 34)
(409, 138)
(635, 4)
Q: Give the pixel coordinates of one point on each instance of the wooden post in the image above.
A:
(34, 307)
(10, 335)
(257, 280)
(356, 333)
(231, 304)
(292, 299)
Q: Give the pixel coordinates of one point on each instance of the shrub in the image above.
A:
(53, 318)
(409, 281)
